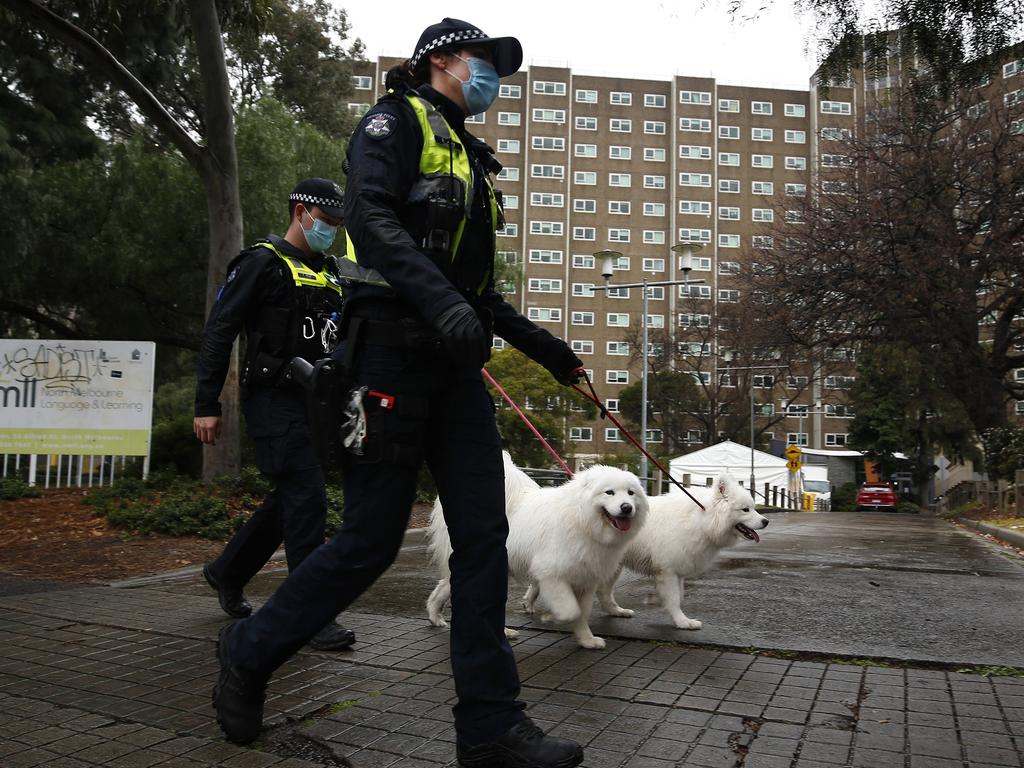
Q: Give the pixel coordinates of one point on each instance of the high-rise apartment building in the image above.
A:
(637, 166)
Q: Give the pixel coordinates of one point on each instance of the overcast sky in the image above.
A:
(634, 38)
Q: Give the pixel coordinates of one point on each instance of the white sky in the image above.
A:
(632, 38)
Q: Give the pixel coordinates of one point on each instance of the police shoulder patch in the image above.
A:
(379, 126)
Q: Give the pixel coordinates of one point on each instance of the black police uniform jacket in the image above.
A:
(384, 163)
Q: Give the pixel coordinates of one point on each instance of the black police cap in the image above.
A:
(322, 193)
(506, 52)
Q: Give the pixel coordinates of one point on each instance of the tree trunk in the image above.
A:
(224, 209)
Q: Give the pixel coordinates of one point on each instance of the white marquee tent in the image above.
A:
(704, 465)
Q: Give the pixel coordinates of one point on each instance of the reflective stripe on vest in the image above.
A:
(443, 154)
(303, 275)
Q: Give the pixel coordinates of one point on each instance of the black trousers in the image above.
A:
(443, 414)
(295, 511)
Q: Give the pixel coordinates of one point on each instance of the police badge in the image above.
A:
(379, 126)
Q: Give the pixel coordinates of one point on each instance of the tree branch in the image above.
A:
(41, 318)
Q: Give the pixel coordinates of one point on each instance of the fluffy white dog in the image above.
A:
(680, 541)
(566, 540)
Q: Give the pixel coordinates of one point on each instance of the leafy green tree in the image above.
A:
(672, 398)
(551, 407)
(1004, 451)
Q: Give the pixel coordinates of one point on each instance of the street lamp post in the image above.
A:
(608, 259)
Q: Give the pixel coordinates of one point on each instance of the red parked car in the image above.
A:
(876, 496)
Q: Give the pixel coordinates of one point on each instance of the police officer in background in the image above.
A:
(421, 216)
(286, 298)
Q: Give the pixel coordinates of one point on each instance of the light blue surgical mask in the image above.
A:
(481, 89)
(321, 235)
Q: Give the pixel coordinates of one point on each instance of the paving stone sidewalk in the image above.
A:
(122, 677)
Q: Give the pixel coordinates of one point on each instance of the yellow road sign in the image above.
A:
(792, 452)
(793, 465)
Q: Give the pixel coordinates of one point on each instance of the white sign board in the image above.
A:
(76, 397)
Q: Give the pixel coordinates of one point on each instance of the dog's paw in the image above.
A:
(592, 643)
(547, 618)
(511, 634)
(528, 607)
(685, 623)
(439, 622)
(622, 613)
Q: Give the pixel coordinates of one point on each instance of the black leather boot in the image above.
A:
(524, 745)
(237, 697)
(231, 599)
(333, 637)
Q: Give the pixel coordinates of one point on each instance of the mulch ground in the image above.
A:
(56, 537)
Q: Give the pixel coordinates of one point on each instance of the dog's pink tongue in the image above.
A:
(622, 523)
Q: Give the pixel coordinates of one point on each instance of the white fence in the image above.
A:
(71, 470)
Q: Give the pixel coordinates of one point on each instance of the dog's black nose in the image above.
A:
(626, 508)
(765, 523)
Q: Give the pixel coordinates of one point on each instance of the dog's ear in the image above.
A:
(725, 485)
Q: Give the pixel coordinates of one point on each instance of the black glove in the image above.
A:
(463, 334)
(563, 363)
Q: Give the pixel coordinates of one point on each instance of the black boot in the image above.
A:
(333, 637)
(237, 697)
(524, 745)
(231, 599)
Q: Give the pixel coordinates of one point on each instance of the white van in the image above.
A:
(815, 480)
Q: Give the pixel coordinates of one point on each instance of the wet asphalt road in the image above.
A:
(861, 584)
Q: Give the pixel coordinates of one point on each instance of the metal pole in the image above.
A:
(643, 390)
(753, 489)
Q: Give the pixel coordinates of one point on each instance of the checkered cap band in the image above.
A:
(443, 40)
(301, 197)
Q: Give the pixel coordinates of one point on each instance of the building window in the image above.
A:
(796, 438)
(694, 235)
(729, 158)
(796, 163)
(835, 187)
(620, 264)
(620, 125)
(762, 242)
(362, 82)
(729, 296)
(478, 119)
(795, 217)
(510, 202)
(729, 105)
(729, 185)
(835, 161)
(761, 107)
(586, 123)
(762, 214)
(619, 180)
(694, 97)
(618, 152)
(544, 314)
(582, 318)
(835, 439)
(588, 178)
(508, 173)
(618, 235)
(728, 241)
(584, 205)
(762, 187)
(583, 347)
(726, 213)
(612, 404)
(728, 267)
(839, 382)
(654, 182)
(509, 118)
(796, 190)
(539, 171)
(547, 199)
(695, 207)
(654, 237)
(619, 206)
(762, 134)
(795, 110)
(549, 88)
(549, 116)
(654, 209)
(547, 228)
(616, 377)
(586, 150)
(695, 179)
(656, 127)
(1013, 68)
(620, 348)
(543, 256)
(509, 145)
(762, 161)
(511, 229)
(622, 98)
(835, 107)
(556, 143)
(618, 320)
(656, 100)
(581, 434)
(653, 265)
(612, 435)
(654, 154)
(832, 134)
(585, 290)
(510, 91)
(584, 233)
(694, 291)
(585, 96)
(358, 108)
(728, 132)
(583, 261)
(796, 137)
(694, 124)
(694, 152)
(544, 285)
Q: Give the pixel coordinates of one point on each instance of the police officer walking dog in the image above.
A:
(421, 216)
(286, 298)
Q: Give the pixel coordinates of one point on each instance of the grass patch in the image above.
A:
(987, 670)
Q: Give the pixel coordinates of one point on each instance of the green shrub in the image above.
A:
(844, 498)
(908, 507)
(16, 488)
(335, 509)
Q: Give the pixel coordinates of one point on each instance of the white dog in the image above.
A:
(566, 540)
(680, 541)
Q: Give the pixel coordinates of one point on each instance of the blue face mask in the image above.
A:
(320, 236)
(481, 89)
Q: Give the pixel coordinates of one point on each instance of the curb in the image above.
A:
(1016, 538)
